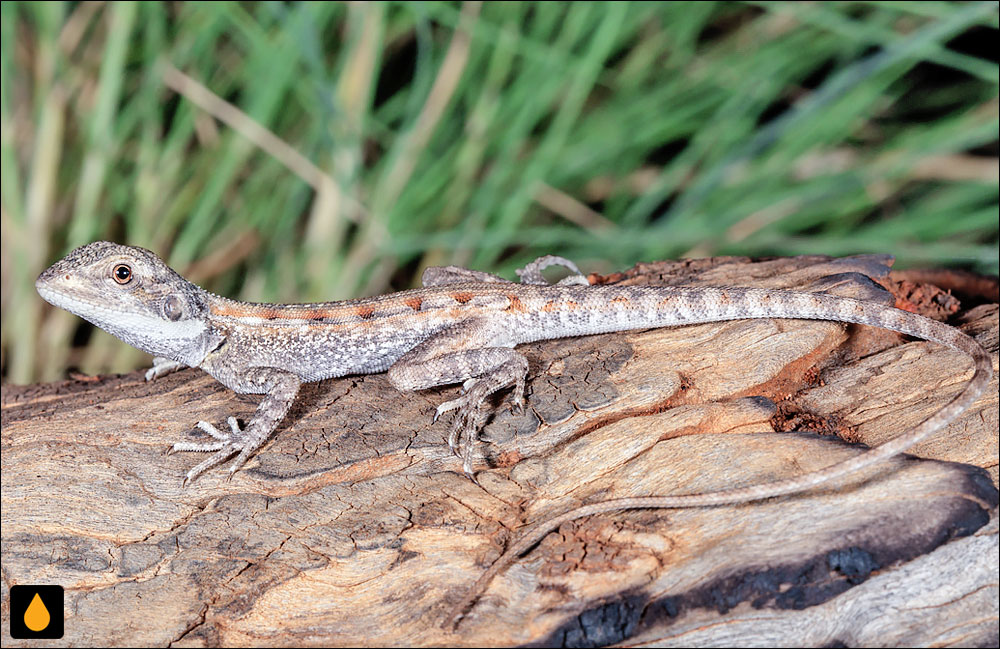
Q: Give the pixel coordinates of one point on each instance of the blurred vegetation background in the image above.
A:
(312, 151)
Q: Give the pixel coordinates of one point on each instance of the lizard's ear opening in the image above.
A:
(173, 309)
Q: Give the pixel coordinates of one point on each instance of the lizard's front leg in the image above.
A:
(280, 387)
(477, 353)
(163, 366)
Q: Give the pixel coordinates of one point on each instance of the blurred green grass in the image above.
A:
(316, 151)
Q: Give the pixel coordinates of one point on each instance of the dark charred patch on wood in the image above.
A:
(462, 298)
(795, 585)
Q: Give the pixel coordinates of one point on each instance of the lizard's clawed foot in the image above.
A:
(466, 419)
(471, 416)
(225, 446)
(465, 427)
(482, 370)
(517, 397)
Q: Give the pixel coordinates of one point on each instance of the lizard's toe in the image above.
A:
(517, 399)
(213, 431)
(453, 438)
(223, 454)
(194, 447)
(450, 405)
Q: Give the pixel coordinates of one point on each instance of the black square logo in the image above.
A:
(36, 612)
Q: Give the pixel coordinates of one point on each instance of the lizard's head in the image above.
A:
(132, 294)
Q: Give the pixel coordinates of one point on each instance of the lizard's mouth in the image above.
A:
(102, 315)
(72, 304)
(61, 300)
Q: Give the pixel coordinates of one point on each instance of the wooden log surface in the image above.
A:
(355, 526)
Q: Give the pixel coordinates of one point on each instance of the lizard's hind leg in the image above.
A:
(442, 275)
(530, 274)
(478, 354)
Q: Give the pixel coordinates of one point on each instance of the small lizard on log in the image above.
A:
(461, 327)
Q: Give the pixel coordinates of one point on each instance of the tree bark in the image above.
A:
(355, 526)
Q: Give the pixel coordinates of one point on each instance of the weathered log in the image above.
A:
(354, 525)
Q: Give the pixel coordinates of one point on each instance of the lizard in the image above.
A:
(461, 327)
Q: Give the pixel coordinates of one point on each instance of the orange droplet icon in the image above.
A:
(36, 616)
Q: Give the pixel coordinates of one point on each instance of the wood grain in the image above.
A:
(354, 525)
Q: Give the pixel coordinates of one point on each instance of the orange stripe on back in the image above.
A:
(271, 313)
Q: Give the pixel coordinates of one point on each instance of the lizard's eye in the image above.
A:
(122, 274)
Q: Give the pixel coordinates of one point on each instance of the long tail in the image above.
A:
(703, 305)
